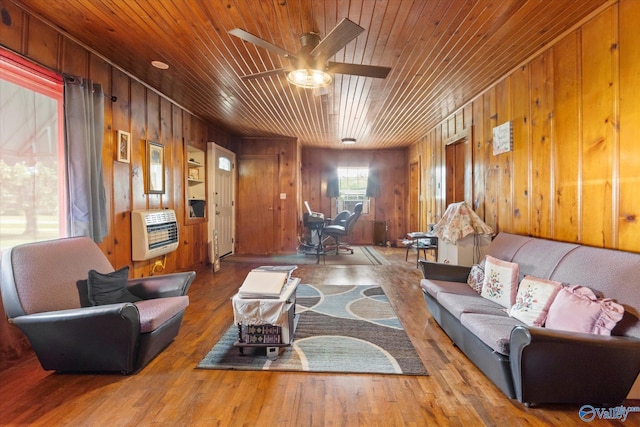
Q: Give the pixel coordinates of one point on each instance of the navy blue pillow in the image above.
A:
(109, 288)
(83, 293)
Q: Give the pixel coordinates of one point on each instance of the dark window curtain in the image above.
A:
(373, 181)
(84, 132)
(333, 185)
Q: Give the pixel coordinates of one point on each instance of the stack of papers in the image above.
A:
(263, 284)
(284, 268)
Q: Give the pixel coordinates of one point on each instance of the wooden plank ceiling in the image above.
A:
(442, 52)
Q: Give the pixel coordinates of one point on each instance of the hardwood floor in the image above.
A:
(171, 392)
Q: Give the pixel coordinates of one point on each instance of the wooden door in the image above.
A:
(454, 181)
(414, 197)
(257, 184)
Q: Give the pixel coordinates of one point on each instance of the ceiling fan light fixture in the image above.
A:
(309, 79)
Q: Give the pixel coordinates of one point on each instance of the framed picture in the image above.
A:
(155, 168)
(123, 144)
(503, 138)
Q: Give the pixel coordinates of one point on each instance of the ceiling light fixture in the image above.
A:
(348, 141)
(308, 78)
(159, 64)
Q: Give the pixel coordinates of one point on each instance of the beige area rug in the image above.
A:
(362, 255)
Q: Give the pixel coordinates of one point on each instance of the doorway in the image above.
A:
(222, 199)
(455, 163)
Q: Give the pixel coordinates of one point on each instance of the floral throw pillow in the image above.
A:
(476, 277)
(500, 281)
(533, 299)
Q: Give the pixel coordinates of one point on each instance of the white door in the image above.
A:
(222, 190)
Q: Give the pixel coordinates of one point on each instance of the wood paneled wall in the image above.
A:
(575, 166)
(147, 116)
(393, 174)
(302, 175)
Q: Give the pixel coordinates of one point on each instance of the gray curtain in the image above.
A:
(84, 132)
(373, 181)
(333, 184)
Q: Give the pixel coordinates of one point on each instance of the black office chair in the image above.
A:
(341, 218)
(336, 231)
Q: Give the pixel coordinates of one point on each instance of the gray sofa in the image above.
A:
(534, 364)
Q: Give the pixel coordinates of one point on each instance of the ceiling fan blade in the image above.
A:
(359, 70)
(264, 74)
(248, 37)
(337, 38)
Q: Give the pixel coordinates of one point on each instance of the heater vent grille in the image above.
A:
(153, 233)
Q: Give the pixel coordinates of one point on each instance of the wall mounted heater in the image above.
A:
(153, 233)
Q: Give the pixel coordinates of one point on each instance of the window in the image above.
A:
(224, 164)
(352, 183)
(32, 167)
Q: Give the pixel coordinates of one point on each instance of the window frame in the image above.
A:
(31, 76)
(340, 201)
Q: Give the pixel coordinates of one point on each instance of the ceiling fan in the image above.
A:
(310, 67)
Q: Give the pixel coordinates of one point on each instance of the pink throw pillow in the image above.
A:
(577, 309)
(500, 281)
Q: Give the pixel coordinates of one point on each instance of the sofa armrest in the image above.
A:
(101, 338)
(166, 285)
(440, 271)
(551, 366)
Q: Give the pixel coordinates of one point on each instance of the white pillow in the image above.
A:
(500, 281)
(533, 300)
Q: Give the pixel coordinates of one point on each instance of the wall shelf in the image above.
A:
(196, 183)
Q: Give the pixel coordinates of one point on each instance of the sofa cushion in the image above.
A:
(59, 263)
(533, 299)
(109, 288)
(434, 287)
(459, 304)
(505, 246)
(540, 258)
(494, 331)
(612, 272)
(155, 312)
(577, 309)
(500, 281)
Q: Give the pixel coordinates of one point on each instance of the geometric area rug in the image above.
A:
(341, 328)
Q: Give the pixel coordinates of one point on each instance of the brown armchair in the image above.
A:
(44, 292)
